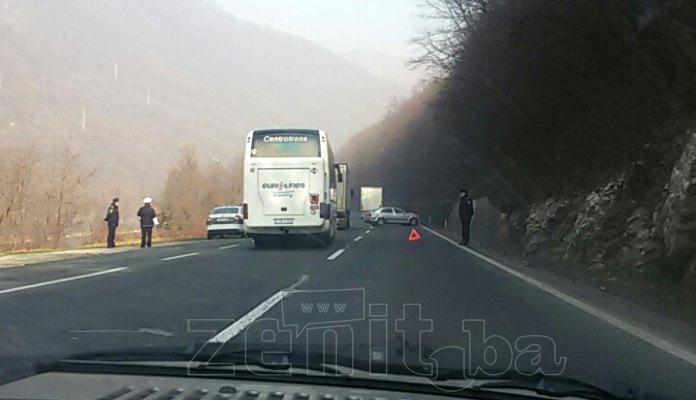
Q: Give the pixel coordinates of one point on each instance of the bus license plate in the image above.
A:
(283, 221)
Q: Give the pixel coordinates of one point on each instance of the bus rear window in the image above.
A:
(303, 143)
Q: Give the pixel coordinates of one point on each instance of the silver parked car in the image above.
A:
(391, 215)
(224, 221)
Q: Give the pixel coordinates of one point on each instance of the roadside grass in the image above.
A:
(136, 242)
(127, 241)
(26, 251)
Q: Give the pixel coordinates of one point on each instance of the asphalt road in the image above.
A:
(392, 290)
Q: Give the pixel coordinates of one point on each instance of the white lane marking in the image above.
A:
(239, 325)
(151, 331)
(335, 254)
(644, 335)
(228, 247)
(368, 231)
(179, 256)
(53, 282)
(357, 239)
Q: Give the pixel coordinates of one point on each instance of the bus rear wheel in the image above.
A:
(323, 239)
(262, 241)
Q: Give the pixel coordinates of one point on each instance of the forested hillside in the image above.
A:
(153, 75)
(123, 85)
(575, 119)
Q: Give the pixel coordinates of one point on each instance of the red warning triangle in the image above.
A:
(414, 235)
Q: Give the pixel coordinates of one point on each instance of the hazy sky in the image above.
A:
(340, 25)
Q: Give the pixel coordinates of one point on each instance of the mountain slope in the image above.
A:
(389, 68)
(210, 78)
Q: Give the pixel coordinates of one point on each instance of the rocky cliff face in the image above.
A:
(639, 226)
(642, 221)
(677, 218)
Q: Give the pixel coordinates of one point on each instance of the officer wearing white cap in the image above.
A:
(148, 219)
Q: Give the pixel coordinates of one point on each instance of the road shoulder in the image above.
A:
(25, 259)
(675, 337)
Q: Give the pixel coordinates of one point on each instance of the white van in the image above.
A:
(288, 181)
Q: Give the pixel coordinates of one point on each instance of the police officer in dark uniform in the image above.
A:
(112, 223)
(466, 212)
(148, 219)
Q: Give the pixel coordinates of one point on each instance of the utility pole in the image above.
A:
(84, 118)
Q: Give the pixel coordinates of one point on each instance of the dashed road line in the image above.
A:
(335, 254)
(238, 326)
(646, 336)
(357, 239)
(228, 247)
(71, 278)
(179, 256)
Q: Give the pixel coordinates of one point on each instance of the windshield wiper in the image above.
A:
(547, 385)
(336, 366)
(202, 360)
(281, 365)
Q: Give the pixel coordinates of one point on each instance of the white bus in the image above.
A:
(288, 184)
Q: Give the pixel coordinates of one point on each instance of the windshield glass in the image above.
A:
(285, 144)
(225, 210)
(177, 175)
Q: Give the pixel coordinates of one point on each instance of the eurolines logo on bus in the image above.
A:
(284, 139)
(283, 185)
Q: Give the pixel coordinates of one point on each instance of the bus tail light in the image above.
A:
(245, 210)
(314, 198)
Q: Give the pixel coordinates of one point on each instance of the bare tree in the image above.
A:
(184, 209)
(15, 175)
(178, 200)
(41, 197)
(65, 192)
(454, 23)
